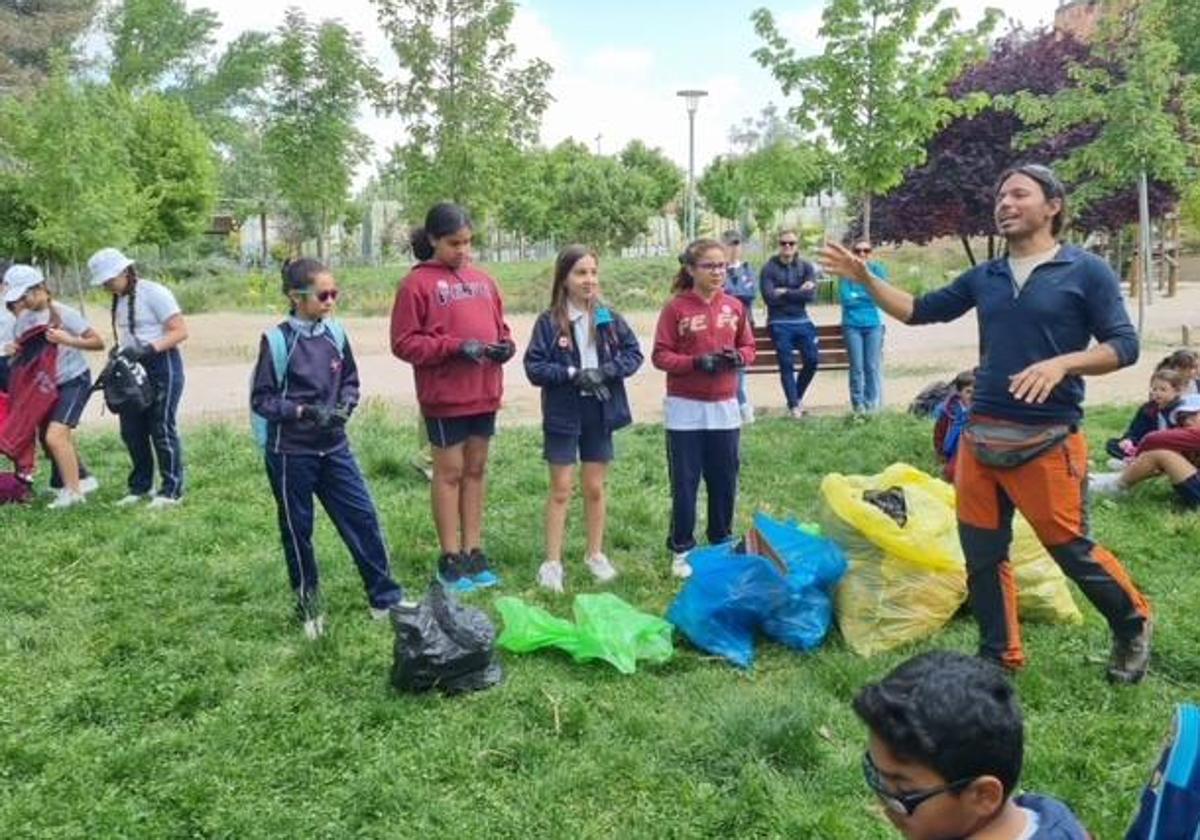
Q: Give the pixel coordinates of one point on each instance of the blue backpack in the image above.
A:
(281, 355)
(1171, 802)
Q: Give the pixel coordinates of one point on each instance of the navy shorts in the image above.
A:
(445, 432)
(1187, 492)
(592, 445)
(72, 398)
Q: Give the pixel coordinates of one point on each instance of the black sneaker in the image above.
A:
(478, 567)
(1131, 657)
(452, 573)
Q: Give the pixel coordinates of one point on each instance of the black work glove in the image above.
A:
(709, 362)
(609, 369)
(473, 349)
(320, 416)
(341, 414)
(591, 381)
(137, 352)
(732, 358)
(500, 352)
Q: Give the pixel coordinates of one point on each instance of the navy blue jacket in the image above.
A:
(316, 375)
(743, 285)
(792, 306)
(551, 352)
(1063, 305)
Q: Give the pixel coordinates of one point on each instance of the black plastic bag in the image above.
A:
(890, 501)
(444, 645)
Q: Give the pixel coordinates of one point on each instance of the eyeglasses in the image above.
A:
(325, 296)
(712, 266)
(787, 243)
(904, 804)
(862, 250)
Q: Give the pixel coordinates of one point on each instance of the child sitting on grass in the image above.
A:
(1186, 362)
(1173, 453)
(1167, 386)
(951, 418)
(944, 753)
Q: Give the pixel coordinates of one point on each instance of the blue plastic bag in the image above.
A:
(814, 566)
(726, 600)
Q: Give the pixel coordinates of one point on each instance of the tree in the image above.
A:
(320, 80)
(880, 86)
(466, 103)
(156, 42)
(175, 169)
(30, 34)
(664, 175)
(765, 182)
(723, 186)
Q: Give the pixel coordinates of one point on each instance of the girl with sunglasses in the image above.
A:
(307, 452)
(863, 328)
(448, 323)
(703, 339)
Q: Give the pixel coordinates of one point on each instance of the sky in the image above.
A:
(618, 63)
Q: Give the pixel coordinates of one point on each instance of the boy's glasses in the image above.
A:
(904, 804)
(325, 296)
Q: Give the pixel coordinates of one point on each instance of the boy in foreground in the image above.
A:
(944, 753)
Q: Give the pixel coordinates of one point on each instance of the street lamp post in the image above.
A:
(692, 99)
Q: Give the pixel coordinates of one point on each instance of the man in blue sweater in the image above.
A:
(789, 284)
(1038, 308)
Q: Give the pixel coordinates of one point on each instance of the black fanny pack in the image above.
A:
(1007, 445)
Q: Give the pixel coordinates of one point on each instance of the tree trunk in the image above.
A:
(966, 243)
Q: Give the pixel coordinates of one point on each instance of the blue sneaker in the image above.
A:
(479, 568)
(453, 575)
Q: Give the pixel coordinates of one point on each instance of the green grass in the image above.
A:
(154, 684)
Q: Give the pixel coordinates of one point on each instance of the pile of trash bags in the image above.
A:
(907, 575)
(605, 628)
(778, 582)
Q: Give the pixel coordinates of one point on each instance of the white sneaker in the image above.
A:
(162, 502)
(380, 613)
(550, 576)
(747, 414)
(1116, 464)
(131, 499)
(600, 567)
(1106, 484)
(796, 412)
(89, 485)
(314, 628)
(680, 567)
(66, 499)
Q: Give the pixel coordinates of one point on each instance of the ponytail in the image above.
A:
(688, 259)
(442, 220)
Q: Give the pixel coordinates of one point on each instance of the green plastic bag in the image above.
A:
(605, 628)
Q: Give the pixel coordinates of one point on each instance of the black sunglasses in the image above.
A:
(904, 804)
(324, 297)
(862, 250)
(788, 243)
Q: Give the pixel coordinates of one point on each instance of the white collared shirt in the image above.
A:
(584, 337)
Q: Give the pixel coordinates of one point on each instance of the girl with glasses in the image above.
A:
(306, 394)
(703, 339)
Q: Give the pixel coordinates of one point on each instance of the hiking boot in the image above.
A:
(550, 576)
(680, 567)
(1131, 657)
(452, 573)
(600, 568)
(479, 569)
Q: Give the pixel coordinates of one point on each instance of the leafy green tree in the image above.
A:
(666, 177)
(765, 182)
(156, 42)
(30, 34)
(320, 80)
(466, 103)
(723, 186)
(880, 86)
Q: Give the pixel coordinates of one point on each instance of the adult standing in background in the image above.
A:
(789, 284)
(863, 330)
(742, 283)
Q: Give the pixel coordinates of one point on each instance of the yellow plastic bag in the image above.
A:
(904, 583)
(1042, 591)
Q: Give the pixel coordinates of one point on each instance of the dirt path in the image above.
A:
(223, 347)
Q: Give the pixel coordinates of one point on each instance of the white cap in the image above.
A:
(106, 264)
(18, 280)
(1188, 405)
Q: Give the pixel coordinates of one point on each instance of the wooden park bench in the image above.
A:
(831, 352)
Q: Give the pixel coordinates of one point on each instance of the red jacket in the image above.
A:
(436, 310)
(33, 395)
(687, 328)
(1184, 441)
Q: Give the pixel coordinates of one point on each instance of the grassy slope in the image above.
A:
(154, 685)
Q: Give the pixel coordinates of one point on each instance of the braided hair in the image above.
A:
(131, 294)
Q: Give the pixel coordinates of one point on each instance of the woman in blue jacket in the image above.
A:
(580, 353)
(863, 329)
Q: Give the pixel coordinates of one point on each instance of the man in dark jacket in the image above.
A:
(789, 284)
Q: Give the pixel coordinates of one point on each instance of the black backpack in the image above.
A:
(126, 385)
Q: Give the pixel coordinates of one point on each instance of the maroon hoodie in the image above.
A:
(688, 327)
(438, 308)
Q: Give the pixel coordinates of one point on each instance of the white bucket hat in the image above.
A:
(1188, 405)
(18, 280)
(106, 264)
